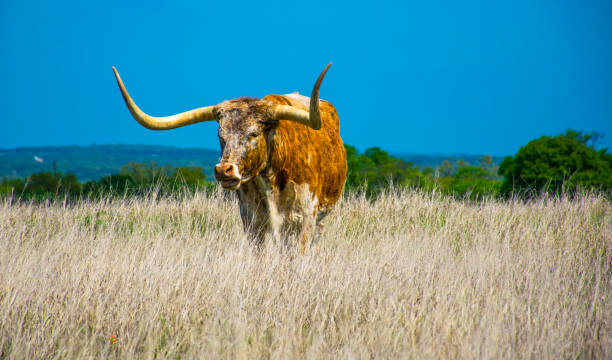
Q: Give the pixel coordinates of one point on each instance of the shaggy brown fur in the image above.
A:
(291, 173)
(286, 160)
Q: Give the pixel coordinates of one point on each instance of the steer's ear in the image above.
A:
(270, 123)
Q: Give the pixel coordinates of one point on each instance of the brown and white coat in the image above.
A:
(282, 154)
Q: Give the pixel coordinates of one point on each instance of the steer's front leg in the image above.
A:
(254, 220)
(307, 232)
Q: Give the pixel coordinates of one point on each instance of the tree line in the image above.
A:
(561, 164)
(133, 179)
(565, 163)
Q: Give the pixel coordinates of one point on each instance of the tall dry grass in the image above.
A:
(411, 275)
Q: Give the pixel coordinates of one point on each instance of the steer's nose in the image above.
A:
(224, 171)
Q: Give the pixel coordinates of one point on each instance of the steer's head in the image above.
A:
(243, 128)
(244, 125)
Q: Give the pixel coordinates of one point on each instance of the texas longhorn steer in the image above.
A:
(283, 155)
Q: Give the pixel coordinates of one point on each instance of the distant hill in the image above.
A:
(96, 161)
(433, 160)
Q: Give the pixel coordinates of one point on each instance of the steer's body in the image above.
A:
(282, 154)
(303, 177)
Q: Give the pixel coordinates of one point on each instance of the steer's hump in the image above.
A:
(305, 100)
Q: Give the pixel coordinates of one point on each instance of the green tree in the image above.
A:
(11, 187)
(138, 178)
(355, 176)
(146, 174)
(41, 183)
(445, 169)
(192, 177)
(473, 182)
(69, 184)
(118, 184)
(46, 185)
(377, 169)
(557, 164)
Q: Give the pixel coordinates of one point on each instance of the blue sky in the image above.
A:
(421, 77)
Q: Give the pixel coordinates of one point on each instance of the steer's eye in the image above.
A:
(253, 135)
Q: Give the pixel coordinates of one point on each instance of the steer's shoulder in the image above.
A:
(328, 111)
(294, 99)
(304, 100)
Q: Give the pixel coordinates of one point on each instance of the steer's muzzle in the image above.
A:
(228, 175)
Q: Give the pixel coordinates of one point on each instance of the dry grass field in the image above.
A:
(411, 275)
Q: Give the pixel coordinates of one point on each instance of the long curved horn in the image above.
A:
(168, 122)
(311, 119)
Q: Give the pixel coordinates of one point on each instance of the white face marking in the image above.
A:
(236, 171)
